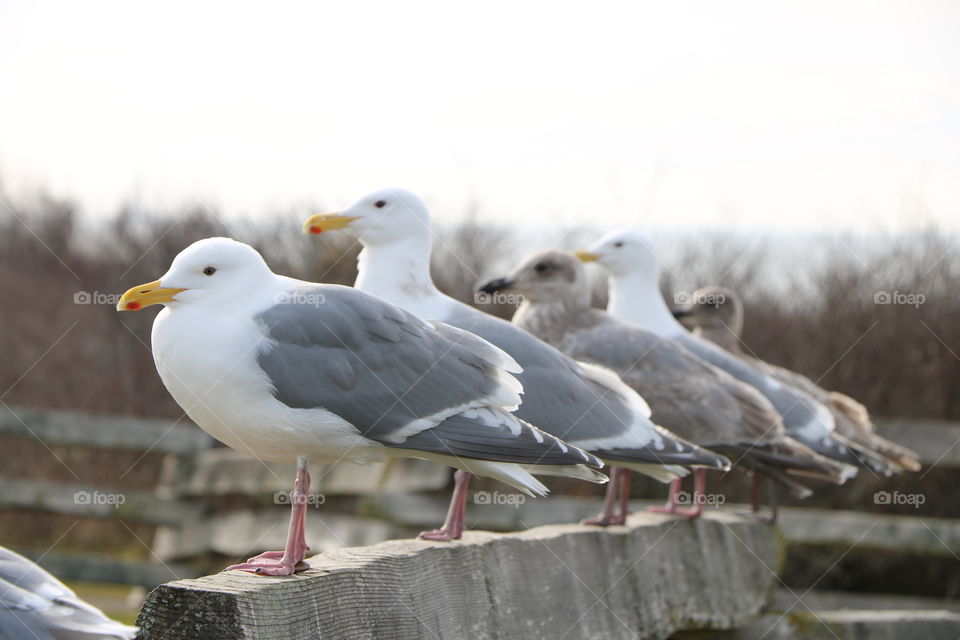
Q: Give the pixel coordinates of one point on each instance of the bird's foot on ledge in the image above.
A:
(270, 563)
(441, 535)
(677, 511)
(604, 520)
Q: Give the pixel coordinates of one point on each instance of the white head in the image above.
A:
(624, 252)
(382, 217)
(214, 271)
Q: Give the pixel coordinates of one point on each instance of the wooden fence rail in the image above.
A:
(211, 500)
(182, 507)
(650, 579)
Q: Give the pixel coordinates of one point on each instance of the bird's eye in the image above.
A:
(209, 271)
(617, 245)
(380, 204)
(540, 267)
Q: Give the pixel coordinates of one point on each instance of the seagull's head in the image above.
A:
(382, 217)
(214, 271)
(624, 252)
(546, 276)
(712, 307)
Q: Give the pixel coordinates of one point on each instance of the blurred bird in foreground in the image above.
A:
(34, 605)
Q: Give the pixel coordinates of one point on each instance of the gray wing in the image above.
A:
(582, 404)
(560, 396)
(797, 408)
(687, 396)
(356, 345)
(805, 419)
(696, 400)
(853, 424)
(482, 433)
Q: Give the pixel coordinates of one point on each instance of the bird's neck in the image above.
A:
(398, 272)
(720, 335)
(637, 299)
(549, 320)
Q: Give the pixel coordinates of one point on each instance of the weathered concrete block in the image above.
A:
(648, 579)
(852, 625)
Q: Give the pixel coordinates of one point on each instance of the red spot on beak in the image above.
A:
(315, 229)
(133, 306)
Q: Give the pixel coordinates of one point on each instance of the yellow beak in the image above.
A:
(327, 222)
(586, 256)
(144, 295)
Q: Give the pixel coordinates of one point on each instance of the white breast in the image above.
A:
(208, 363)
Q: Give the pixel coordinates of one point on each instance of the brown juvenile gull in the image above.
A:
(687, 395)
(291, 371)
(584, 404)
(716, 313)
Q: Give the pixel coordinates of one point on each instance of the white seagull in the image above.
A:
(634, 285)
(34, 605)
(291, 371)
(581, 403)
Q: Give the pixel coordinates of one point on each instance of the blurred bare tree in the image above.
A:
(825, 315)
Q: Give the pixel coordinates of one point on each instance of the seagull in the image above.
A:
(583, 404)
(688, 395)
(290, 371)
(634, 285)
(716, 313)
(34, 605)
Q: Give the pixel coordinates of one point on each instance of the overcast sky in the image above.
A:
(747, 115)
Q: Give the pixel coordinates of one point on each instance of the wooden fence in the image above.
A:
(204, 506)
(182, 510)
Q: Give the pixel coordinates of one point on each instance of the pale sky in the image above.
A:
(744, 115)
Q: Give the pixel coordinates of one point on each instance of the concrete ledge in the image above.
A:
(649, 579)
(908, 535)
(852, 625)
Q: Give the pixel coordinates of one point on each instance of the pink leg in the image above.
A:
(624, 481)
(774, 502)
(290, 560)
(754, 492)
(771, 518)
(670, 507)
(607, 518)
(454, 525)
(699, 488)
